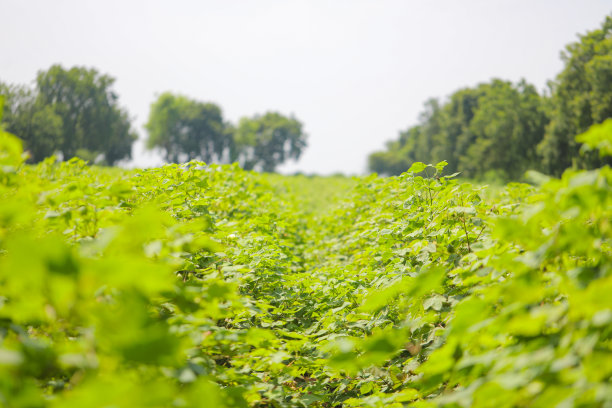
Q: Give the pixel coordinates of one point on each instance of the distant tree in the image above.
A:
(388, 163)
(429, 126)
(399, 154)
(581, 97)
(494, 127)
(504, 131)
(441, 131)
(264, 142)
(88, 107)
(37, 124)
(455, 137)
(187, 129)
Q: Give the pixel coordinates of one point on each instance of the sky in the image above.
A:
(354, 72)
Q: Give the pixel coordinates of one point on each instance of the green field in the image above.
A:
(209, 286)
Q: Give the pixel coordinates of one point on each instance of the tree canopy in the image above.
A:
(265, 141)
(581, 97)
(40, 128)
(492, 128)
(69, 110)
(502, 129)
(186, 129)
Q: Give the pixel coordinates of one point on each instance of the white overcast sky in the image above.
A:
(354, 72)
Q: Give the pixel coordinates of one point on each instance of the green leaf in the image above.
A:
(599, 137)
(366, 388)
(417, 167)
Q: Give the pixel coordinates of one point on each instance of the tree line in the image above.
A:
(187, 129)
(500, 129)
(75, 112)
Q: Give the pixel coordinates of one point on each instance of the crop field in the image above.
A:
(208, 286)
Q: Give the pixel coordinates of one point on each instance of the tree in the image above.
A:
(388, 163)
(399, 154)
(187, 129)
(88, 108)
(505, 129)
(581, 97)
(38, 125)
(455, 138)
(493, 127)
(69, 111)
(264, 142)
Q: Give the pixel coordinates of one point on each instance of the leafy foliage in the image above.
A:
(187, 130)
(492, 128)
(204, 285)
(498, 130)
(69, 111)
(38, 125)
(581, 98)
(264, 142)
